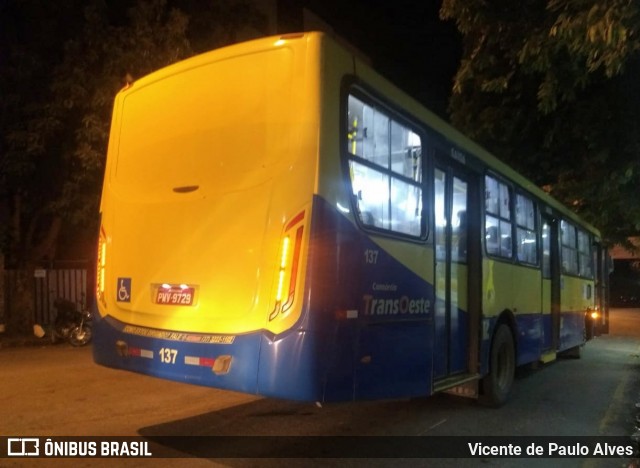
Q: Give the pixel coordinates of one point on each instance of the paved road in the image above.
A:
(58, 391)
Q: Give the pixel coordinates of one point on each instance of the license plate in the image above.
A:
(175, 296)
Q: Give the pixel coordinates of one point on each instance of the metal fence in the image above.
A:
(47, 286)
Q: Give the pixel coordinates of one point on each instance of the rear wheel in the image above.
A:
(496, 386)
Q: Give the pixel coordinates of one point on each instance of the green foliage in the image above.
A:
(551, 87)
(29, 170)
(96, 65)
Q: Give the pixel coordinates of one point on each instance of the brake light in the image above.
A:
(289, 260)
(101, 263)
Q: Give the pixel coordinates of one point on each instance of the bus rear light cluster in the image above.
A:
(288, 263)
(284, 257)
(101, 267)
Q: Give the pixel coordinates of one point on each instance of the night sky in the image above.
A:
(405, 40)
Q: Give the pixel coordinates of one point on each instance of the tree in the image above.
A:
(107, 56)
(551, 88)
(28, 167)
(29, 170)
(97, 64)
(63, 65)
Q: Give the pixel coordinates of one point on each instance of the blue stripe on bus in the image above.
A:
(572, 331)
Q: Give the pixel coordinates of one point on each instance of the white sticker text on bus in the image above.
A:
(393, 306)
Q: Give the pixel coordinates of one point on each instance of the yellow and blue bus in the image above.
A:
(279, 219)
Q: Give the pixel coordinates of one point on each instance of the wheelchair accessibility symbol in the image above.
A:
(124, 289)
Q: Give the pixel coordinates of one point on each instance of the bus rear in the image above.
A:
(205, 215)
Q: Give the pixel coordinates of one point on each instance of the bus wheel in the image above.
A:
(497, 384)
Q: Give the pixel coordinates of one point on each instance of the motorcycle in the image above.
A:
(71, 324)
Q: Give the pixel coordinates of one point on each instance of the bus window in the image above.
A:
(569, 250)
(546, 250)
(498, 238)
(371, 191)
(585, 257)
(527, 242)
(385, 167)
(459, 223)
(440, 216)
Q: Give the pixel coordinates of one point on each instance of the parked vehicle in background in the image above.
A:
(71, 324)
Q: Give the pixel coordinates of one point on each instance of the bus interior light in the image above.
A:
(342, 208)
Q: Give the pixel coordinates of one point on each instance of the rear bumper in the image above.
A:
(250, 363)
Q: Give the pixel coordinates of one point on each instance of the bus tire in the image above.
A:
(496, 386)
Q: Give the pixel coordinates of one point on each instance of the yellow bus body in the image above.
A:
(201, 195)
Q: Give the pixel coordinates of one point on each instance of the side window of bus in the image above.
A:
(585, 256)
(569, 249)
(527, 240)
(498, 222)
(385, 168)
(546, 250)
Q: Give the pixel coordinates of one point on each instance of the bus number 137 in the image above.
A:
(168, 355)
(371, 256)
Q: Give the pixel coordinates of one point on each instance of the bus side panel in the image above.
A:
(393, 360)
(576, 297)
(181, 359)
(571, 330)
(529, 339)
(294, 364)
(288, 366)
(366, 330)
(516, 289)
(547, 339)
